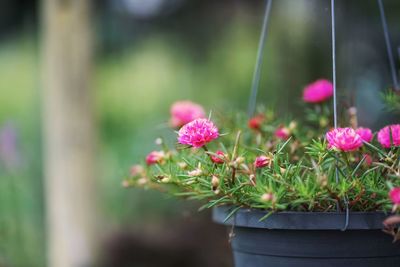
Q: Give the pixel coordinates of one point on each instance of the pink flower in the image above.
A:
(183, 112)
(344, 139)
(394, 195)
(282, 133)
(384, 135)
(198, 133)
(218, 160)
(256, 121)
(365, 134)
(155, 157)
(318, 91)
(262, 161)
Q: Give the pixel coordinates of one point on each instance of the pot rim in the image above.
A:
(292, 220)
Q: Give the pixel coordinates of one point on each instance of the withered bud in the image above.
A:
(322, 180)
(244, 167)
(283, 170)
(292, 125)
(142, 181)
(214, 182)
(195, 173)
(252, 179)
(166, 179)
(239, 160)
(323, 122)
(183, 165)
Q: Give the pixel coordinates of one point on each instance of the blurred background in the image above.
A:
(125, 62)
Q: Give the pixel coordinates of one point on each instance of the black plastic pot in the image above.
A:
(309, 239)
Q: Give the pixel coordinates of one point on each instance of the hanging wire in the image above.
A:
(260, 52)
(388, 45)
(335, 117)
(334, 67)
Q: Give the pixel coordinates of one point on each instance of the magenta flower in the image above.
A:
(394, 195)
(262, 161)
(384, 135)
(344, 139)
(318, 91)
(183, 112)
(365, 134)
(219, 159)
(155, 157)
(282, 133)
(198, 133)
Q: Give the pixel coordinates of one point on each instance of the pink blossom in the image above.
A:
(384, 135)
(318, 91)
(155, 157)
(183, 112)
(218, 160)
(394, 195)
(198, 133)
(344, 139)
(282, 133)
(262, 161)
(365, 134)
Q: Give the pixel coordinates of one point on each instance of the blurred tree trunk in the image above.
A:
(68, 132)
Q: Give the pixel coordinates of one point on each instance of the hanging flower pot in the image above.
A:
(293, 195)
(308, 239)
(301, 192)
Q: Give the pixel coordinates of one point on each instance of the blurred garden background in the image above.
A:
(148, 54)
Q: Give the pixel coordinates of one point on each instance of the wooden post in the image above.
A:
(68, 132)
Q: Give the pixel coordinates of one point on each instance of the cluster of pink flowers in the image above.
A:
(389, 135)
(198, 133)
(183, 112)
(318, 91)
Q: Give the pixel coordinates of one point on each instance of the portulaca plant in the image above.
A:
(276, 165)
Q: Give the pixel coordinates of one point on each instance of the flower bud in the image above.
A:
(195, 173)
(268, 197)
(155, 157)
(218, 158)
(262, 161)
(256, 122)
(214, 182)
(282, 133)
